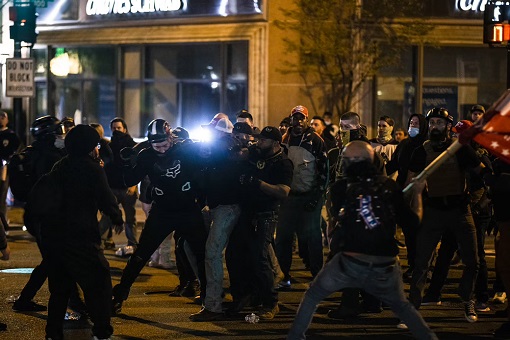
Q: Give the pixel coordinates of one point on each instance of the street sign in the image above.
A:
(19, 77)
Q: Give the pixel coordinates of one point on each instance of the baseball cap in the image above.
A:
(243, 128)
(270, 132)
(220, 124)
(299, 109)
(461, 126)
(476, 108)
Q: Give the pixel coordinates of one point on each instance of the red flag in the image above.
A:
(492, 130)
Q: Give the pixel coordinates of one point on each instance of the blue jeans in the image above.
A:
(385, 283)
(224, 218)
(294, 218)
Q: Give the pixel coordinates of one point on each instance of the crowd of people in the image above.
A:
(255, 195)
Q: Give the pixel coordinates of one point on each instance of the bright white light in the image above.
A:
(24, 228)
(200, 134)
(214, 85)
(379, 93)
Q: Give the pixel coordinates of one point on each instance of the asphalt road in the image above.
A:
(150, 313)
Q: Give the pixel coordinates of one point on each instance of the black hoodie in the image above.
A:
(402, 155)
(113, 170)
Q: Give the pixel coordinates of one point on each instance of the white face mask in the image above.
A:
(413, 132)
(59, 143)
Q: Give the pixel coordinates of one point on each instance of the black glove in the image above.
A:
(126, 154)
(249, 181)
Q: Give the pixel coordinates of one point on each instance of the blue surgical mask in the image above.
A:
(413, 132)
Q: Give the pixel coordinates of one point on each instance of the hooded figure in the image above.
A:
(72, 248)
(418, 130)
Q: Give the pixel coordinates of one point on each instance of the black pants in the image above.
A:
(37, 279)
(87, 266)
(248, 261)
(184, 268)
(159, 225)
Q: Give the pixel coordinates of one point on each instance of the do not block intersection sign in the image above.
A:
(19, 77)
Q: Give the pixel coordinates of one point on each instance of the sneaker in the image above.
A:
(177, 291)
(428, 301)
(191, 289)
(155, 264)
(268, 313)
(402, 325)
(284, 285)
(470, 312)
(125, 251)
(28, 306)
(499, 297)
(205, 315)
(482, 307)
(116, 306)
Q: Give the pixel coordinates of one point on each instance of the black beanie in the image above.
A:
(81, 140)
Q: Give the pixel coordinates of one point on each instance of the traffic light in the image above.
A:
(24, 28)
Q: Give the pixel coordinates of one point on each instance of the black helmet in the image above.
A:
(46, 125)
(158, 131)
(439, 112)
(180, 133)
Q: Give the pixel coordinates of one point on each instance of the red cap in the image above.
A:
(299, 109)
(461, 126)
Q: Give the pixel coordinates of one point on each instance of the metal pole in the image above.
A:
(17, 104)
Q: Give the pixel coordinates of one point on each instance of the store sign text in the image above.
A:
(107, 7)
(471, 5)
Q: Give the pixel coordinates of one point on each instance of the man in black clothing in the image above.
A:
(9, 144)
(418, 133)
(6, 252)
(301, 212)
(45, 154)
(171, 170)
(126, 196)
(72, 248)
(446, 208)
(367, 206)
(267, 181)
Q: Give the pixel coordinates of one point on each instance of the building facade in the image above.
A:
(185, 60)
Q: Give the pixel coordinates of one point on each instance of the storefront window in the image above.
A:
(185, 84)
(467, 75)
(83, 84)
(454, 77)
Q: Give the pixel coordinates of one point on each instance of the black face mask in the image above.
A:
(357, 168)
(117, 134)
(437, 135)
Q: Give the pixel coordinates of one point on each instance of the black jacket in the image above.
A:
(85, 192)
(113, 170)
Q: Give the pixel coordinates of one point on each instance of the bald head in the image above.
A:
(358, 150)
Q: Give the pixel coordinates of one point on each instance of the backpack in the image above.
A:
(21, 173)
